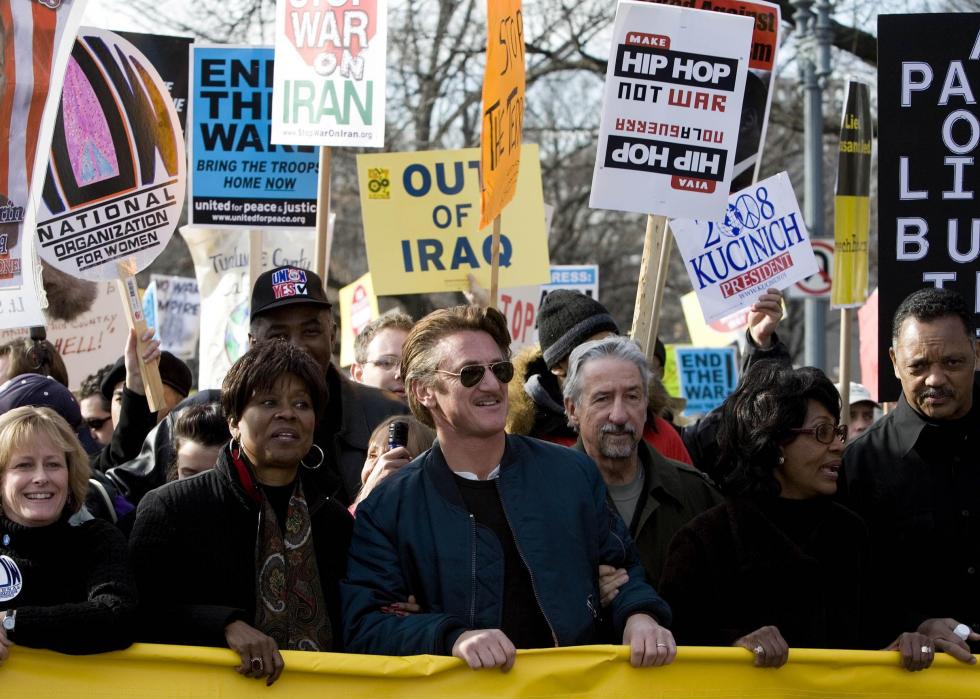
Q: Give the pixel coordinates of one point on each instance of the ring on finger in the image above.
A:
(256, 665)
(759, 650)
(661, 645)
(926, 649)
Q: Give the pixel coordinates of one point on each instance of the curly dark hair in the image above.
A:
(262, 367)
(757, 418)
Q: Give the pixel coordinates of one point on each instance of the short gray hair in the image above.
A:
(617, 347)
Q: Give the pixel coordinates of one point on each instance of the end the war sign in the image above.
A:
(761, 243)
(239, 178)
(670, 113)
(330, 72)
(421, 214)
(929, 132)
(705, 376)
(115, 184)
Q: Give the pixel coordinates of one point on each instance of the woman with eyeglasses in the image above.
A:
(779, 564)
(250, 553)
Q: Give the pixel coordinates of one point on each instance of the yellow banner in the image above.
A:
(421, 223)
(503, 107)
(591, 671)
(358, 307)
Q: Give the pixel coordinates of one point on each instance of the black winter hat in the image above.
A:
(173, 373)
(566, 320)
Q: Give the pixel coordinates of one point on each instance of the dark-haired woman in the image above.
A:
(249, 554)
(779, 564)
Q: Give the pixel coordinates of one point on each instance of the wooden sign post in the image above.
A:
(133, 308)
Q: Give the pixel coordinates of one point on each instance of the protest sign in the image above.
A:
(178, 314)
(115, 185)
(503, 107)
(329, 85)
(170, 56)
(149, 297)
(221, 265)
(929, 128)
(358, 307)
(852, 203)
(35, 41)
(758, 82)
(760, 244)
(670, 112)
(720, 333)
(706, 376)
(818, 284)
(420, 214)
(91, 340)
(238, 177)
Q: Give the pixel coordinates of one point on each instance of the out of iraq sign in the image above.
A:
(670, 112)
(929, 131)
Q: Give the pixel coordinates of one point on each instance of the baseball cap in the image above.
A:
(859, 393)
(284, 286)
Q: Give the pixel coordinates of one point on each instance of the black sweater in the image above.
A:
(193, 551)
(77, 593)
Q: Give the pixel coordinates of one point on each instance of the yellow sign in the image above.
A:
(588, 671)
(852, 204)
(720, 333)
(358, 307)
(425, 237)
(503, 108)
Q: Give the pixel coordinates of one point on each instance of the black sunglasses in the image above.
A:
(96, 422)
(472, 374)
(824, 433)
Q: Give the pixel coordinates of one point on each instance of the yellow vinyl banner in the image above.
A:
(589, 671)
(852, 208)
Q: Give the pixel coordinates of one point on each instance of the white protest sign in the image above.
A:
(329, 84)
(116, 174)
(670, 112)
(761, 243)
(221, 267)
(178, 314)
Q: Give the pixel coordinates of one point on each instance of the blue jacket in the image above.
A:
(414, 536)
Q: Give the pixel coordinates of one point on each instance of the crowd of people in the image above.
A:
(444, 498)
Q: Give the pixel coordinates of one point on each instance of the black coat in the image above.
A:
(77, 594)
(193, 551)
(732, 570)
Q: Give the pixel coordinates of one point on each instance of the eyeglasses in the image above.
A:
(472, 374)
(824, 433)
(385, 363)
(96, 422)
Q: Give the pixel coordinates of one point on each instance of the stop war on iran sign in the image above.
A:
(329, 86)
(670, 113)
(760, 243)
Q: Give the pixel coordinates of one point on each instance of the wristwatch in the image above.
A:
(9, 621)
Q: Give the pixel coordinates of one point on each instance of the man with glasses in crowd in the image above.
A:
(498, 537)
(378, 352)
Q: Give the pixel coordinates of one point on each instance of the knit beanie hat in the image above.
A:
(566, 320)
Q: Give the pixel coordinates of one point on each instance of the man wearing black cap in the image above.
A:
(289, 303)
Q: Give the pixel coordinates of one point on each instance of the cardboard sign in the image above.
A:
(358, 307)
(852, 202)
(720, 333)
(239, 179)
(670, 113)
(115, 185)
(90, 341)
(706, 376)
(421, 222)
(761, 243)
(221, 267)
(329, 86)
(503, 107)
(178, 314)
(758, 82)
(929, 129)
(170, 55)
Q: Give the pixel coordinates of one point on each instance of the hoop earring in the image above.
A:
(781, 460)
(318, 463)
(233, 447)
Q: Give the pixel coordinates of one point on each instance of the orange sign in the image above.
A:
(503, 107)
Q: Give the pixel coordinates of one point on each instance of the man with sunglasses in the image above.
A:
(498, 537)
(914, 476)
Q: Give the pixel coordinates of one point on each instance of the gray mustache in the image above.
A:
(609, 428)
(936, 393)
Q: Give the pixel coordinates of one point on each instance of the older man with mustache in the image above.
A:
(914, 476)
(606, 399)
